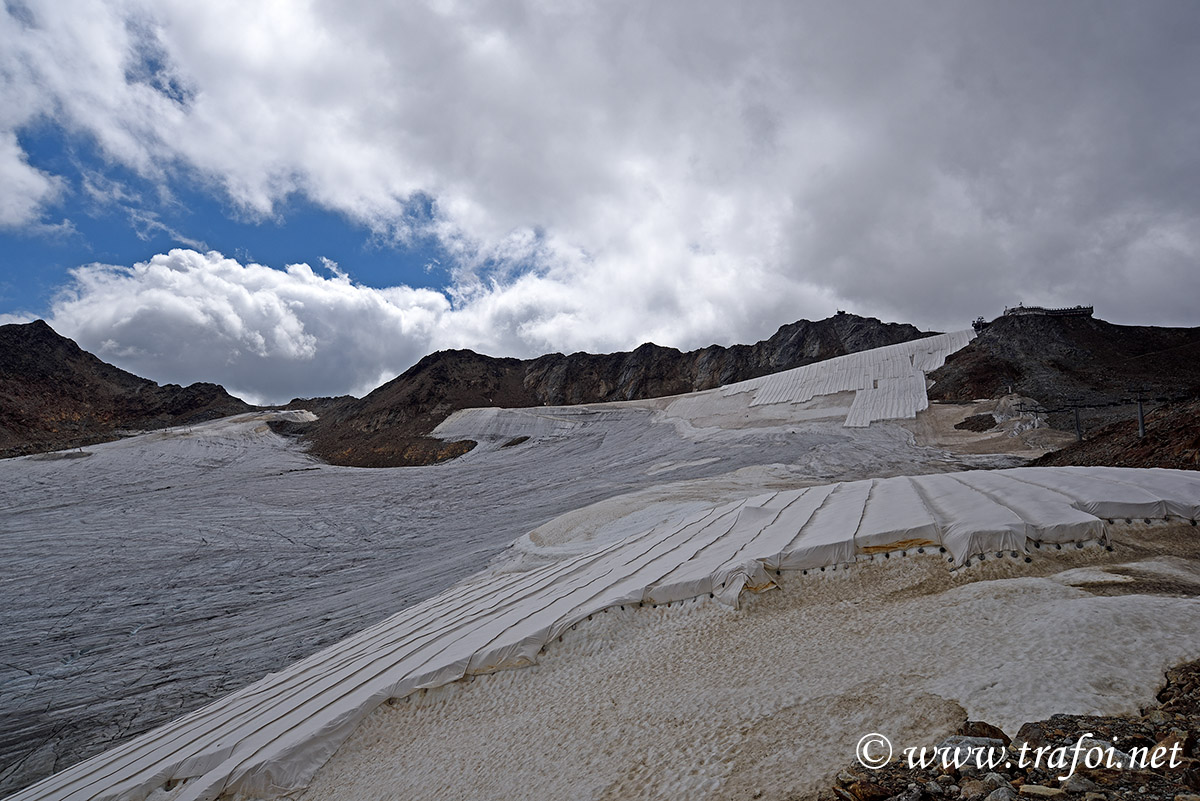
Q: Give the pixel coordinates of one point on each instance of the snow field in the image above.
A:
(669, 567)
(698, 701)
(161, 572)
(273, 736)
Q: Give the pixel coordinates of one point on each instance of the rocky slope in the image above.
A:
(55, 395)
(390, 426)
(1060, 361)
(1172, 440)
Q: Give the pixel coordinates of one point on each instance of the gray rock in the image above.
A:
(911, 794)
(1079, 784)
(994, 781)
(972, 790)
(959, 740)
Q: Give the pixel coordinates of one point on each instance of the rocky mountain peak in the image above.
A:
(54, 395)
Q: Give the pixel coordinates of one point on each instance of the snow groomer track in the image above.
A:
(271, 737)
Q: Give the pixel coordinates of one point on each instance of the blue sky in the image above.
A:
(181, 213)
(179, 178)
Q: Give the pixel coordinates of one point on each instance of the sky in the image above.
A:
(304, 198)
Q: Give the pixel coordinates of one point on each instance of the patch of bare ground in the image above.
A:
(997, 426)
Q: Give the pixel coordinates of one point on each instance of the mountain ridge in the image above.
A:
(390, 426)
(55, 395)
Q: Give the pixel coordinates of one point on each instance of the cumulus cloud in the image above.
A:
(27, 190)
(274, 334)
(606, 174)
(268, 334)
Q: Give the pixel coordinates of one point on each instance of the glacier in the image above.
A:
(224, 542)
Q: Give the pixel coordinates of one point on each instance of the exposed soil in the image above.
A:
(990, 426)
(977, 422)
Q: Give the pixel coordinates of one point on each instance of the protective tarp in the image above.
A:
(696, 577)
(895, 517)
(1177, 490)
(969, 520)
(889, 382)
(271, 737)
(828, 537)
(890, 399)
(1048, 514)
(1119, 499)
(792, 518)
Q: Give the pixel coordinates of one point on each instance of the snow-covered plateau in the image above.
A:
(710, 595)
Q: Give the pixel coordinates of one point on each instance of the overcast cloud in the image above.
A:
(610, 173)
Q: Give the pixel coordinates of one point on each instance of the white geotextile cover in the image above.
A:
(271, 737)
(889, 382)
(503, 424)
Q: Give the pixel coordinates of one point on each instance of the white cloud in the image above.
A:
(267, 334)
(17, 318)
(27, 190)
(605, 174)
(274, 334)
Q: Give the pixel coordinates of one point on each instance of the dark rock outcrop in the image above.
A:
(1066, 361)
(55, 395)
